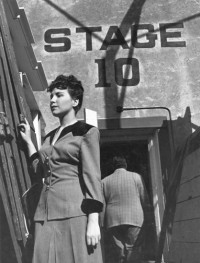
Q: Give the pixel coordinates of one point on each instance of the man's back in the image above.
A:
(124, 195)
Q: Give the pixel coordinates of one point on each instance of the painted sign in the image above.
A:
(137, 53)
(58, 40)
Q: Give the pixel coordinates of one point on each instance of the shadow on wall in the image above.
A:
(182, 127)
(131, 17)
(185, 143)
(182, 130)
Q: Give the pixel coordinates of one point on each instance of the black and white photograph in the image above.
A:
(100, 131)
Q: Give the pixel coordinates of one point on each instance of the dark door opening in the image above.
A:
(137, 156)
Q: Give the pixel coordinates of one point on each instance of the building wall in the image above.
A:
(165, 64)
(185, 240)
(163, 71)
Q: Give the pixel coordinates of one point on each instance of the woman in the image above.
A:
(66, 218)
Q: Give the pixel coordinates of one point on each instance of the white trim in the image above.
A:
(90, 117)
(37, 127)
(156, 180)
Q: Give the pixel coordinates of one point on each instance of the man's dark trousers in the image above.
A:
(123, 244)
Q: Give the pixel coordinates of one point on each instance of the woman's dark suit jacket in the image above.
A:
(71, 168)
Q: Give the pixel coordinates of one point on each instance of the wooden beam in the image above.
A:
(11, 113)
(5, 202)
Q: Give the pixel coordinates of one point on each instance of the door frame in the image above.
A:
(156, 181)
(113, 130)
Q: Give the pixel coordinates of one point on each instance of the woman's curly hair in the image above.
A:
(72, 84)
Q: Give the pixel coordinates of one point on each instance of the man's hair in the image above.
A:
(119, 161)
(72, 84)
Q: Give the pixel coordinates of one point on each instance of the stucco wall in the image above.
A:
(165, 68)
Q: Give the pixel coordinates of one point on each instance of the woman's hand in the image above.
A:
(93, 235)
(25, 131)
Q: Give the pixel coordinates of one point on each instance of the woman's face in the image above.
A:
(61, 103)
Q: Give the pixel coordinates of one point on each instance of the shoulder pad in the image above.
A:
(81, 129)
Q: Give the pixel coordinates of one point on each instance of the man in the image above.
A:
(126, 204)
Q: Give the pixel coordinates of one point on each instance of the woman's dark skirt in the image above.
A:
(64, 241)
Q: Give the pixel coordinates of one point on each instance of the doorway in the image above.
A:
(136, 154)
(140, 147)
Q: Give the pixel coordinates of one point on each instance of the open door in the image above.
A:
(142, 150)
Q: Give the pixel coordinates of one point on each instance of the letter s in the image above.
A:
(65, 41)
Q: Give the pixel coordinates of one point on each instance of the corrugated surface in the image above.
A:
(185, 241)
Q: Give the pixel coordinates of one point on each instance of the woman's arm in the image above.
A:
(90, 157)
(34, 158)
